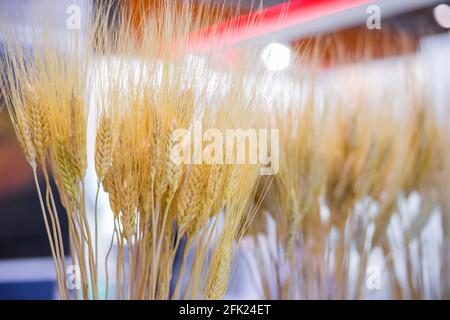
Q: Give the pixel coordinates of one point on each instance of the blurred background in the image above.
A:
(26, 267)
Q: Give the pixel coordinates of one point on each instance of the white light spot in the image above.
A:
(442, 15)
(276, 56)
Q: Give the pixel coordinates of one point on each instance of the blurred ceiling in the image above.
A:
(324, 23)
(304, 21)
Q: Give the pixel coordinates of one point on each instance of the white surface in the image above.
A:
(23, 270)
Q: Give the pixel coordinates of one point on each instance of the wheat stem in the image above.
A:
(52, 248)
(179, 281)
(53, 213)
(114, 233)
(96, 227)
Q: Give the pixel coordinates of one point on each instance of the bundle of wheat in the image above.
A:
(157, 200)
(350, 158)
